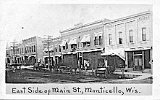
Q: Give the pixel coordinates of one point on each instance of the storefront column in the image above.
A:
(126, 60)
(143, 61)
(133, 62)
(151, 60)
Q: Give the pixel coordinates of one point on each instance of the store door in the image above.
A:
(138, 63)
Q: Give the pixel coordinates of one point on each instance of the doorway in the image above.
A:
(138, 61)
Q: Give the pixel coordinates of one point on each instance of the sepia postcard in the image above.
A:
(78, 49)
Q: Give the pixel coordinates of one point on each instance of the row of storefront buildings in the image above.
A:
(124, 42)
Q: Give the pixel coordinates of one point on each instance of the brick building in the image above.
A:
(128, 42)
(27, 52)
(55, 51)
(82, 45)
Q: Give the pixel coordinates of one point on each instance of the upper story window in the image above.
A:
(63, 47)
(34, 48)
(73, 43)
(66, 45)
(98, 40)
(73, 47)
(110, 39)
(59, 48)
(86, 44)
(120, 37)
(144, 34)
(30, 49)
(131, 36)
(25, 50)
(22, 50)
(56, 49)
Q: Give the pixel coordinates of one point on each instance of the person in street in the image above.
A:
(36, 66)
(50, 67)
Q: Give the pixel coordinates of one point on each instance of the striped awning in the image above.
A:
(119, 52)
(86, 38)
(64, 42)
(98, 33)
(73, 41)
(50, 49)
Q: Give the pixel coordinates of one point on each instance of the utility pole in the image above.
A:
(13, 47)
(49, 40)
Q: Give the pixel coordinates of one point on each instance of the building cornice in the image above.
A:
(128, 17)
(85, 25)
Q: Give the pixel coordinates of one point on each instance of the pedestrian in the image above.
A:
(36, 65)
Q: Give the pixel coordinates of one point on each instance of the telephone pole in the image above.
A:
(49, 40)
(13, 47)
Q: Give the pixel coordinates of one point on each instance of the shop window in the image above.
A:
(110, 39)
(144, 34)
(120, 37)
(131, 36)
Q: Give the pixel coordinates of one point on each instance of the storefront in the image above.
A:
(70, 60)
(58, 59)
(46, 61)
(91, 60)
(32, 60)
(139, 60)
(115, 58)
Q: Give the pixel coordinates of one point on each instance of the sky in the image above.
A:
(20, 21)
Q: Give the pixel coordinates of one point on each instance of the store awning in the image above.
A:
(63, 42)
(73, 41)
(86, 38)
(138, 48)
(90, 50)
(98, 34)
(57, 55)
(118, 52)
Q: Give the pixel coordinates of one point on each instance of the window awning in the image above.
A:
(73, 41)
(50, 49)
(118, 52)
(98, 34)
(63, 42)
(86, 38)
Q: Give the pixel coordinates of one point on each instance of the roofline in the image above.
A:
(130, 16)
(85, 25)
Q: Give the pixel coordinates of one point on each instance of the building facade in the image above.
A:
(128, 42)
(27, 52)
(52, 47)
(82, 45)
(121, 43)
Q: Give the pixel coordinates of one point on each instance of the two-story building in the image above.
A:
(82, 45)
(128, 42)
(33, 50)
(52, 48)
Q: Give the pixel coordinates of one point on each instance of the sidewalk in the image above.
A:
(140, 76)
(26, 67)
